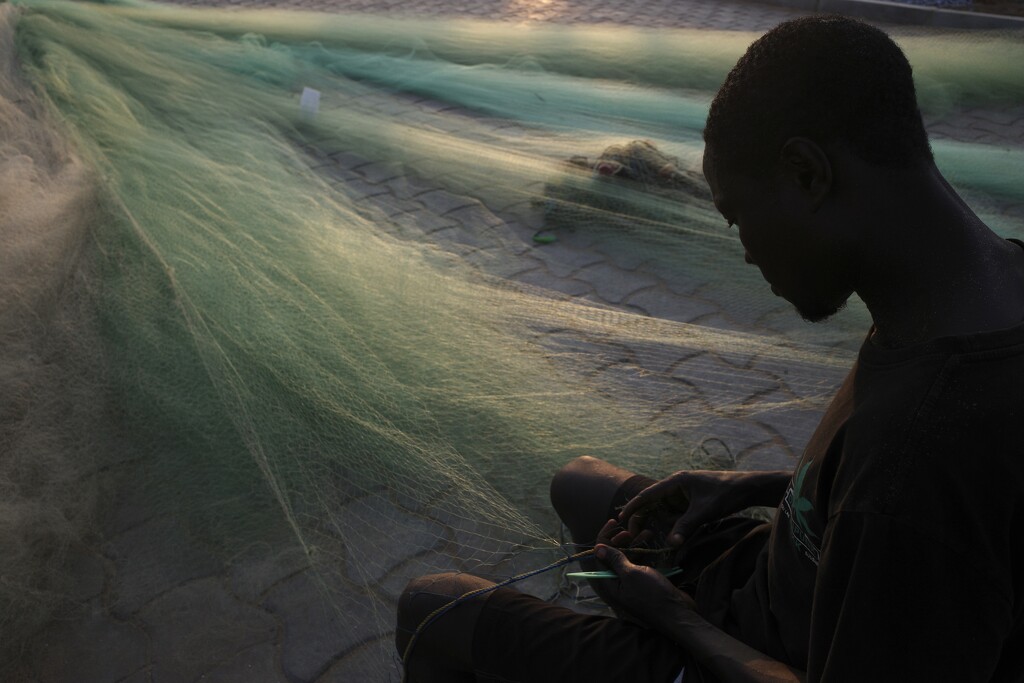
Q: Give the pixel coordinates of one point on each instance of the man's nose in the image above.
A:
(748, 258)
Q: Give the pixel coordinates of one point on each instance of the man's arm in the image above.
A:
(656, 602)
(691, 498)
(721, 654)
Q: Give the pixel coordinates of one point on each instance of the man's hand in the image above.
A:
(690, 499)
(641, 592)
(645, 597)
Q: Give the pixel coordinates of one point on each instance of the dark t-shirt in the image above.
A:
(898, 551)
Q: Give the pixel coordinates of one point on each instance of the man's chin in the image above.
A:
(819, 313)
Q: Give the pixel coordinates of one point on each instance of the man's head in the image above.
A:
(805, 95)
(830, 79)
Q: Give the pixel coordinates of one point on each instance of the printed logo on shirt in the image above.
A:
(797, 509)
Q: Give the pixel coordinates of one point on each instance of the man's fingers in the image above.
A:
(611, 558)
(680, 530)
(648, 496)
(623, 538)
(607, 531)
(635, 503)
(644, 539)
(636, 522)
(653, 494)
(612, 533)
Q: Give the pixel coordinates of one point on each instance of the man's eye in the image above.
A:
(731, 223)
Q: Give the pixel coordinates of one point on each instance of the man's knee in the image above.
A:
(426, 594)
(571, 480)
(585, 487)
(415, 603)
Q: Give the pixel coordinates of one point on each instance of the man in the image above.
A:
(896, 552)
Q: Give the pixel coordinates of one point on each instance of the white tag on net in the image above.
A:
(309, 101)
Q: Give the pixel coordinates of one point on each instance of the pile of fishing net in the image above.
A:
(212, 321)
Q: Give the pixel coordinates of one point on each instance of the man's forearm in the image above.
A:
(764, 488)
(729, 659)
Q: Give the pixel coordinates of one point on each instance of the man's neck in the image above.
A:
(939, 271)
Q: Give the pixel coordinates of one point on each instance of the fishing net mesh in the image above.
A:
(321, 335)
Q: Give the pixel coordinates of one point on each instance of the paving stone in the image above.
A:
(491, 261)
(423, 221)
(520, 239)
(408, 186)
(319, 626)
(682, 284)
(613, 284)
(722, 385)
(811, 382)
(526, 264)
(153, 558)
(359, 189)
(477, 547)
(742, 354)
(661, 360)
(540, 277)
(562, 261)
(379, 172)
(132, 504)
(1011, 117)
(475, 217)
(92, 649)
(660, 302)
(767, 457)
(432, 562)
(744, 304)
(346, 159)
(385, 525)
(627, 256)
(722, 321)
(87, 569)
(374, 661)
(794, 425)
(738, 435)
(335, 172)
(193, 627)
(449, 237)
(515, 202)
(651, 394)
(394, 207)
(441, 202)
(262, 565)
(254, 665)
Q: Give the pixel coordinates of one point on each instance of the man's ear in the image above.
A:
(809, 167)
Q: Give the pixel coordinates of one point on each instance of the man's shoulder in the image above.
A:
(944, 450)
(954, 386)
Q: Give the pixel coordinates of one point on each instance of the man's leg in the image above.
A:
(511, 637)
(443, 652)
(525, 639)
(586, 493)
(583, 492)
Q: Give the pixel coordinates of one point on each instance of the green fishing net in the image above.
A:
(324, 334)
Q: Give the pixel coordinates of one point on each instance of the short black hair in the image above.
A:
(826, 78)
